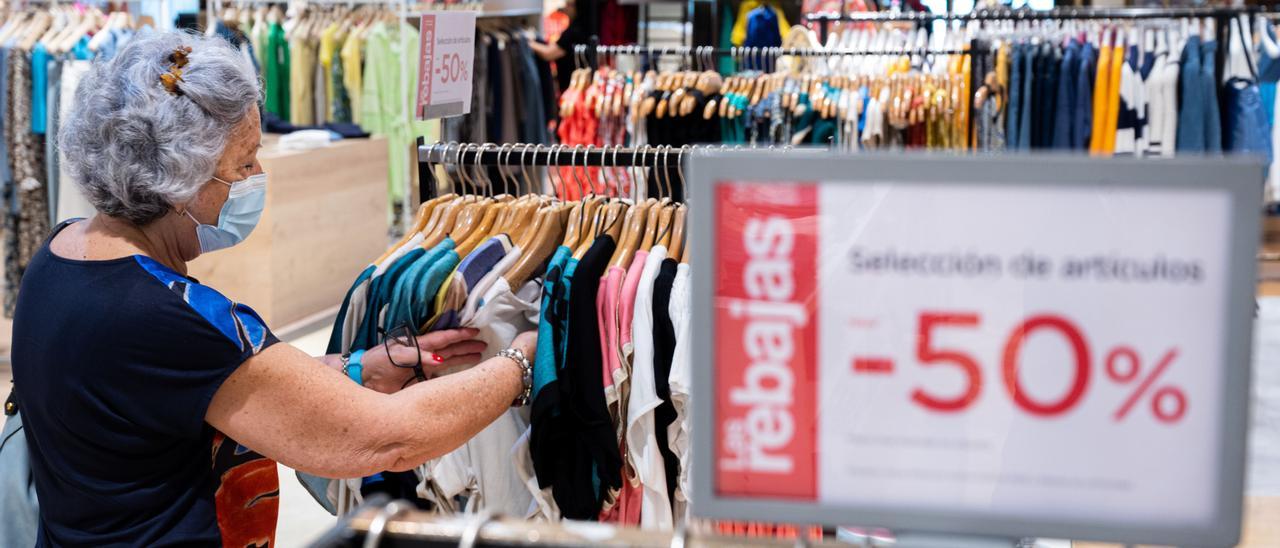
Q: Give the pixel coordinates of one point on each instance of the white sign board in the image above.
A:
(1056, 352)
(446, 55)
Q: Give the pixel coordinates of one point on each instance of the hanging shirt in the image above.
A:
(453, 293)
(664, 346)
(681, 381)
(390, 82)
(642, 442)
(1101, 100)
(302, 90)
(482, 468)
(1130, 128)
(276, 72)
(589, 460)
(407, 306)
(353, 304)
(352, 68)
(740, 25)
(39, 88)
(546, 417)
(327, 51)
(1083, 119)
(259, 35)
(476, 298)
(72, 202)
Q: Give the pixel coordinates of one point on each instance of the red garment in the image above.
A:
(581, 127)
(618, 24)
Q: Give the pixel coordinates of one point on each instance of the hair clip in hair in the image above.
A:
(178, 60)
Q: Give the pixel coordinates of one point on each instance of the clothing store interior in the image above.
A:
(461, 292)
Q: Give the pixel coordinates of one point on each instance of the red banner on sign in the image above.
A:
(426, 58)
(766, 340)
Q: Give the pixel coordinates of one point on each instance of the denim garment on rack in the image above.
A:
(1014, 110)
(1069, 72)
(533, 119)
(1191, 115)
(1268, 66)
(1247, 130)
(1082, 120)
(1047, 97)
(1208, 78)
(1028, 98)
(1268, 91)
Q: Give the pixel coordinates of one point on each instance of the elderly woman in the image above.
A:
(133, 379)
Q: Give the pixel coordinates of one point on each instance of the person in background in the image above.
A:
(561, 52)
(153, 408)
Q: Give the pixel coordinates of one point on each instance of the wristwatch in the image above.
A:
(526, 377)
(353, 366)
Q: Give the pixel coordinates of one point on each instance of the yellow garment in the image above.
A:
(1002, 65)
(352, 64)
(328, 46)
(1097, 143)
(901, 66)
(739, 35)
(966, 98)
(1113, 100)
(302, 82)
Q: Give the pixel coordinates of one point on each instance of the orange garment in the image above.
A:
(1097, 143)
(1113, 100)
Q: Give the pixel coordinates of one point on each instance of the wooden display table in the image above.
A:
(326, 218)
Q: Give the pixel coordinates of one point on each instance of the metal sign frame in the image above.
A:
(1241, 178)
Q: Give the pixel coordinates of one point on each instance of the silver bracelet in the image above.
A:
(526, 376)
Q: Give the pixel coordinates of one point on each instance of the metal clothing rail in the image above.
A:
(824, 20)
(399, 524)
(747, 52)
(531, 155)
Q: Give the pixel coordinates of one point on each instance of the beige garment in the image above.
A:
(302, 79)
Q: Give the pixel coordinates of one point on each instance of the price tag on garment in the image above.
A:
(445, 72)
(1041, 346)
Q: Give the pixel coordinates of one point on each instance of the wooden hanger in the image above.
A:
(631, 234)
(424, 214)
(550, 230)
(678, 248)
(594, 214)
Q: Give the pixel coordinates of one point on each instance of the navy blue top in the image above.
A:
(114, 364)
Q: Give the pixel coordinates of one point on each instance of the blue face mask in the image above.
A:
(239, 215)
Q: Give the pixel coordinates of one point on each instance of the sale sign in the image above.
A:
(446, 51)
(1040, 353)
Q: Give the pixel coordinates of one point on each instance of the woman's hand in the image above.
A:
(438, 350)
(527, 342)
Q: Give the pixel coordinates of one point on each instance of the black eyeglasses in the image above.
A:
(404, 335)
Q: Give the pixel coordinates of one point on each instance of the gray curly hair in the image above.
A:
(135, 148)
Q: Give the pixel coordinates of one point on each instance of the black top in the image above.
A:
(115, 363)
(591, 462)
(575, 35)
(664, 346)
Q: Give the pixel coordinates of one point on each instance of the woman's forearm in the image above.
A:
(450, 410)
(285, 407)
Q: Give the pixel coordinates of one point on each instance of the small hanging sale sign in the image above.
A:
(445, 64)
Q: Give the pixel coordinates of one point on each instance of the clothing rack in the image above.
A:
(746, 52)
(380, 522)
(1221, 14)
(530, 155)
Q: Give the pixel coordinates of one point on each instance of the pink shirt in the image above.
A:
(628, 301)
(610, 344)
